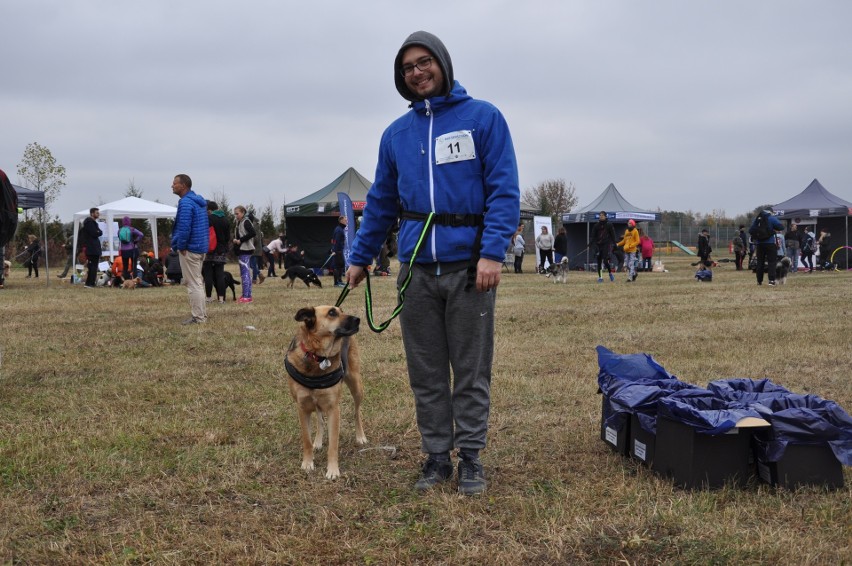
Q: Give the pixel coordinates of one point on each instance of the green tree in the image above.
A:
(551, 198)
(133, 190)
(267, 223)
(39, 170)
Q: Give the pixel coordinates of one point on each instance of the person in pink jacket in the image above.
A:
(646, 247)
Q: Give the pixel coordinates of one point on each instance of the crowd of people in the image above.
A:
(633, 253)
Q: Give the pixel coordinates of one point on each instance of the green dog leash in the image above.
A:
(368, 293)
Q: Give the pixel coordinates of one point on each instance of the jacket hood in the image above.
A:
(197, 199)
(436, 47)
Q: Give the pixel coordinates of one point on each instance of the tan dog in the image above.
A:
(323, 353)
(130, 283)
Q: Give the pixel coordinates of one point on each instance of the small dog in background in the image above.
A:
(230, 283)
(103, 279)
(130, 283)
(782, 268)
(560, 271)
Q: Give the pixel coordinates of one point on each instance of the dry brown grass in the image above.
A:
(127, 438)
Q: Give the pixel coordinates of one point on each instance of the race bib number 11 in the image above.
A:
(455, 146)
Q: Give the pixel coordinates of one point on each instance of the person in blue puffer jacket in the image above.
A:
(190, 239)
(451, 155)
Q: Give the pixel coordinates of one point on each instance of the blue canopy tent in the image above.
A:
(28, 198)
(578, 224)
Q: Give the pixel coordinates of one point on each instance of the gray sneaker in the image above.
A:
(433, 473)
(471, 477)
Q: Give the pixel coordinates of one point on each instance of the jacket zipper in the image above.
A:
(431, 180)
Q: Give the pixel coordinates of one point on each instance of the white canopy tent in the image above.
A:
(134, 207)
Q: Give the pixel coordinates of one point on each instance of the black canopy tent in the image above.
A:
(816, 206)
(28, 199)
(311, 220)
(578, 224)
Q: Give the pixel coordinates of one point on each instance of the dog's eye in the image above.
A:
(332, 313)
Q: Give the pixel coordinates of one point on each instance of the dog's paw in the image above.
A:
(308, 465)
(317, 443)
(361, 440)
(332, 473)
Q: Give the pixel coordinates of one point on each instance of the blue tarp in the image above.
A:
(615, 368)
(637, 384)
(807, 419)
(707, 415)
(632, 383)
(741, 388)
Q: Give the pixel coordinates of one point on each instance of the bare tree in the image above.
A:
(551, 198)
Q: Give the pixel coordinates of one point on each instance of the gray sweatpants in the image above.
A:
(444, 327)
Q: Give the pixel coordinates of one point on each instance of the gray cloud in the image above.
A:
(683, 105)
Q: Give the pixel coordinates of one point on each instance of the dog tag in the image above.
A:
(324, 364)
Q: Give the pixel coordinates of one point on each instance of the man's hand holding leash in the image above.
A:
(354, 275)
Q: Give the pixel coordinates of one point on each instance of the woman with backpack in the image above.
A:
(762, 232)
(128, 237)
(213, 268)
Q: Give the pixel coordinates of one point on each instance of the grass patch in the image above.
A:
(128, 438)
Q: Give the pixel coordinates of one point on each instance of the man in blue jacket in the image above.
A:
(450, 155)
(762, 232)
(190, 239)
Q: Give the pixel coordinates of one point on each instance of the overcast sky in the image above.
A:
(683, 105)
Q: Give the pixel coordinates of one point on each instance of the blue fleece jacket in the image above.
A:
(191, 229)
(449, 154)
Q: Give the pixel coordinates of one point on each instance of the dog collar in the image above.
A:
(323, 362)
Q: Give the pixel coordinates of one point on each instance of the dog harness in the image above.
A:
(322, 381)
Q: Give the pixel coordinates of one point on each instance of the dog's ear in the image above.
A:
(307, 315)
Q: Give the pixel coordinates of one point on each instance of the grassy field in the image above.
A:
(128, 438)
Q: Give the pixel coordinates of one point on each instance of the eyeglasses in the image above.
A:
(421, 65)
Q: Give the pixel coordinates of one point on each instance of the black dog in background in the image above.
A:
(229, 284)
(307, 276)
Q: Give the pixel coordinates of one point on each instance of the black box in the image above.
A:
(617, 439)
(641, 443)
(696, 460)
(801, 464)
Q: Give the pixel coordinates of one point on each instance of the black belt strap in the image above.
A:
(445, 218)
(456, 220)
